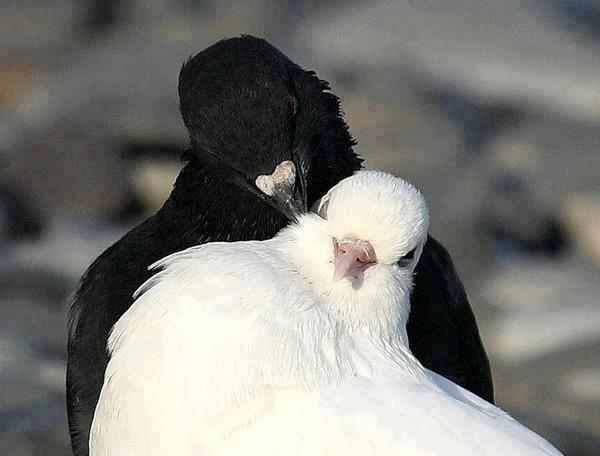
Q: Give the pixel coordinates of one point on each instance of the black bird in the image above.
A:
(249, 111)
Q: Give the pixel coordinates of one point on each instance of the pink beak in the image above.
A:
(352, 257)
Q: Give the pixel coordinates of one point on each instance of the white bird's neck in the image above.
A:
(318, 350)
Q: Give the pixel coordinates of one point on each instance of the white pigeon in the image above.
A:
(293, 346)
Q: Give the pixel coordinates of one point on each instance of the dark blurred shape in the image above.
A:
(347, 77)
(103, 15)
(580, 15)
(518, 222)
(208, 7)
(479, 121)
(158, 153)
(38, 418)
(35, 284)
(131, 209)
(19, 219)
(135, 150)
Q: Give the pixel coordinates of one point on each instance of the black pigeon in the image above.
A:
(248, 109)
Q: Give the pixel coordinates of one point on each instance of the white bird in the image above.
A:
(293, 346)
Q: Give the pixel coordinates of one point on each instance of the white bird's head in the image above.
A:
(361, 250)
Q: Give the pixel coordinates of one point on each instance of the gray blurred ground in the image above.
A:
(491, 107)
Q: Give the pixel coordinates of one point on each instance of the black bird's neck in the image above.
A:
(208, 204)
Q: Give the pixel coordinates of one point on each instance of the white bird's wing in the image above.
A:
(386, 419)
(190, 351)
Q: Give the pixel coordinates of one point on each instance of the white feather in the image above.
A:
(252, 349)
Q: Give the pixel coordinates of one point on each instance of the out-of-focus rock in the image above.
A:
(516, 157)
(50, 443)
(543, 335)
(72, 168)
(395, 129)
(68, 247)
(19, 219)
(581, 213)
(154, 168)
(132, 209)
(579, 16)
(556, 156)
(103, 15)
(583, 384)
(44, 286)
(15, 81)
(153, 181)
(32, 28)
(517, 221)
(544, 306)
(512, 51)
(146, 148)
(479, 120)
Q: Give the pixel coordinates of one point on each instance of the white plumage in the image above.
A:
(252, 348)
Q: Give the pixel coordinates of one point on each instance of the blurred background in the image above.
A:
(491, 107)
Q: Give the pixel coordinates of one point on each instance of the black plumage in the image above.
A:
(248, 108)
(442, 329)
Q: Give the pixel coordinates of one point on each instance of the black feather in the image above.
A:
(442, 329)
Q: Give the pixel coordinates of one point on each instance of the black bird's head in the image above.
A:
(265, 122)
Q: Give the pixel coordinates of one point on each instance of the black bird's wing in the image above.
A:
(105, 293)
(442, 329)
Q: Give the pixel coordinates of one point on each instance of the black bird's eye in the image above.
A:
(407, 258)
